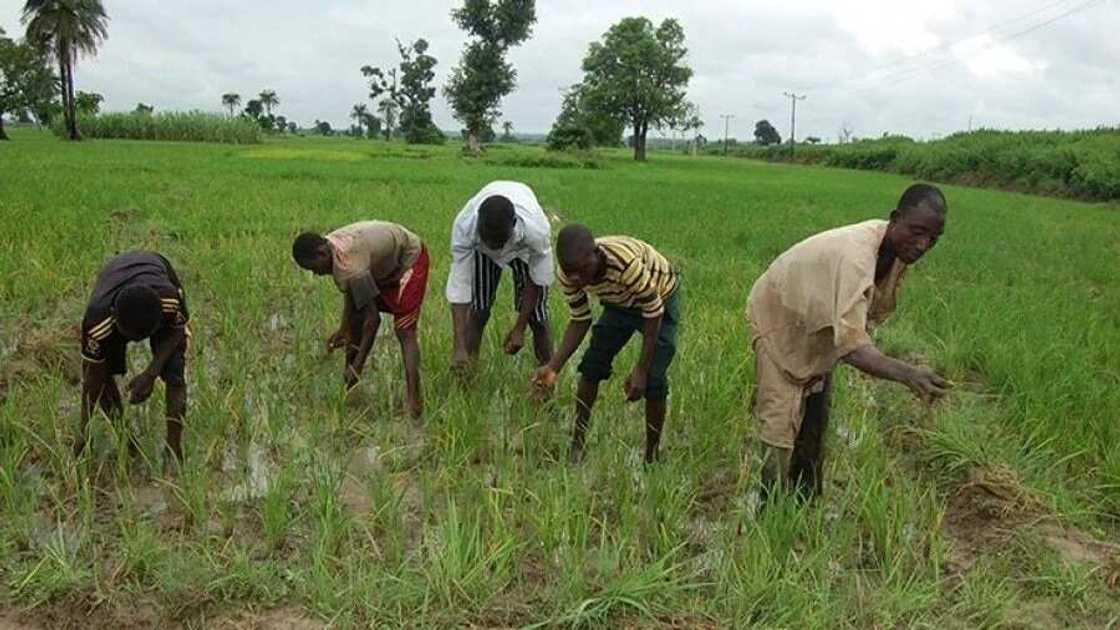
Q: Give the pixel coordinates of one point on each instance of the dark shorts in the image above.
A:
(614, 328)
(487, 276)
(174, 371)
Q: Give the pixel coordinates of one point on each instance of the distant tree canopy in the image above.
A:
(637, 75)
(88, 103)
(483, 76)
(581, 127)
(232, 100)
(323, 128)
(143, 109)
(27, 83)
(254, 108)
(765, 134)
(269, 100)
(410, 87)
(812, 140)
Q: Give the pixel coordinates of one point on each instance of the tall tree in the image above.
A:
(483, 76)
(26, 80)
(388, 109)
(231, 100)
(66, 29)
(359, 113)
(765, 133)
(412, 94)
(88, 103)
(507, 131)
(637, 74)
(269, 100)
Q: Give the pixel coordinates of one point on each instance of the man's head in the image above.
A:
(313, 253)
(579, 257)
(917, 222)
(137, 312)
(496, 219)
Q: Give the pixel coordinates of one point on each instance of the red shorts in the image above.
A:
(405, 299)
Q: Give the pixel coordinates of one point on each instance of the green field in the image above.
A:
(998, 508)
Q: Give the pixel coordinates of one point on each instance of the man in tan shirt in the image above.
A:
(379, 267)
(815, 306)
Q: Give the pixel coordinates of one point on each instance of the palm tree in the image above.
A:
(269, 100)
(231, 100)
(66, 29)
(388, 108)
(507, 131)
(359, 113)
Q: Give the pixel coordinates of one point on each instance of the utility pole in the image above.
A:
(726, 126)
(793, 98)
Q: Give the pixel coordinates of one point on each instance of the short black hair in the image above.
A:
(496, 218)
(923, 195)
(137, 309)
(574, 242)
(306, 246)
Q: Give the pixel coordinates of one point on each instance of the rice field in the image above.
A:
(298, 507)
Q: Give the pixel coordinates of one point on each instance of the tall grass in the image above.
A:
(1084, 164)
(191, 126)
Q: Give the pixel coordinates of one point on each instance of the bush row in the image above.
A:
(1084, 164)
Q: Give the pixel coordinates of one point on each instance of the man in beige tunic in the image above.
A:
(815, 306)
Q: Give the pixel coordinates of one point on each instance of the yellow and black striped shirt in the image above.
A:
(637, 276)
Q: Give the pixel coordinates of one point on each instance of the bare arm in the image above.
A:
(460, 321)
(573, 337)
(371, 322)
(515, 340)
(925, 383)
(636, 384)
(159, 359)
(94, 376)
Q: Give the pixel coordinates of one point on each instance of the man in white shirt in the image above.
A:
(503, 225)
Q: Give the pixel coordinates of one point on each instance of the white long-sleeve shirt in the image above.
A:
(531, 240)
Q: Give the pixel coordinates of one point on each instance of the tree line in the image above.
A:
(634, 79)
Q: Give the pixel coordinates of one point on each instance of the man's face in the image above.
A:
(583, 270)
(914, 233)
(321, 264)
(497, 238)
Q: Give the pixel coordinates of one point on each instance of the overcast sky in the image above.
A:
(920, 69)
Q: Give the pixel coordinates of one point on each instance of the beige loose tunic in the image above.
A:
(815, 304)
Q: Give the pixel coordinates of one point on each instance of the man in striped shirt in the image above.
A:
(638, 289)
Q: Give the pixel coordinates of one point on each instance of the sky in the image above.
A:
(872, 66)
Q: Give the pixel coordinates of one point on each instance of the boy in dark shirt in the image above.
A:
(137, 296)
